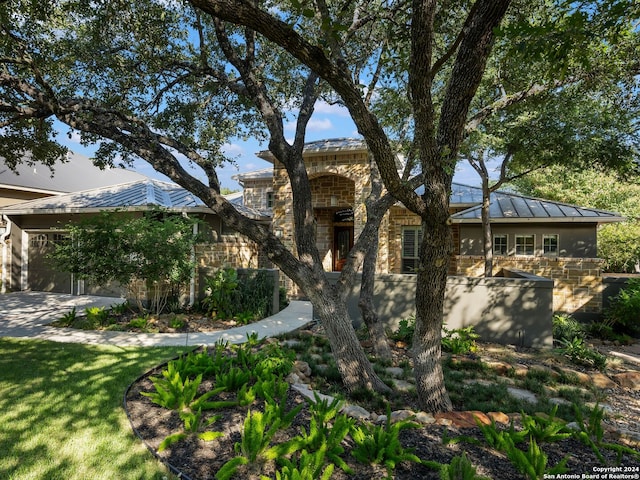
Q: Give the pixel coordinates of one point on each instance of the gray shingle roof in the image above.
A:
(133, 195)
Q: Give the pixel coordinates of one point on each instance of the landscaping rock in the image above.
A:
(627, 357)
(395, 372)
(582, 377)
(463, 419)
(600, 380)
(559, 401)
(425, 418)
(521, 394)
(630, 380)
(302, 367)
(400, 415)
(521, 370)
(501, 368)
(499, 417)
(403, 386)
(356, 412)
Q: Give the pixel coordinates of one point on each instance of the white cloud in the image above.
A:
(233, 149)
(319, 125)
(331, 109)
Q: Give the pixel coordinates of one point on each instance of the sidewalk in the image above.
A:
(26, 315)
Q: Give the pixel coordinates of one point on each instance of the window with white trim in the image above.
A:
(550, 244)
(269, 200)
(39, 240)
(411, 239)
(500, 245)
(525, 244)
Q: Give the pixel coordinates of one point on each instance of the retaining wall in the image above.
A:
(514, 309)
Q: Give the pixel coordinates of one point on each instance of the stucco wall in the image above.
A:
(516, 310)
(575, 240)
(578, 281)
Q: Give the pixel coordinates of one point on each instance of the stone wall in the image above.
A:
(254, 195)
(578, 281)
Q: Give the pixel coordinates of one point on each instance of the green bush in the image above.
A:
(405, 331)
(459, 341)
(566, 328)
(245, 297)
(581, 354)
(624, 310)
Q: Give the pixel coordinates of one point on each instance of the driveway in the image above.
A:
(40, 308)
(26, 315)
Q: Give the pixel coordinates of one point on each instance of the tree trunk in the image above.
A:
(353, 364)
(487, 240)
(431, 284)
(376, 330)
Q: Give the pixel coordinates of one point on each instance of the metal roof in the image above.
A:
(509, 207)
(131, 196)
(76, 173)
(324, 146)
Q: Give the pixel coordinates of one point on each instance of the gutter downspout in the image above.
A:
(192, 281)
(5, 249)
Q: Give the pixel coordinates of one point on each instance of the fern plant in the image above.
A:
(233, 379)
(545, 429)
(327, 431)
(193, 425)
(174, 393)
(258, 431)
(309, 466)
(380, 444)
(498, 439)
(533, 462)
(460, 468)
(591, 434)
(68, 318)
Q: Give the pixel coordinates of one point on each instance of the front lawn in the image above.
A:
(61, 411)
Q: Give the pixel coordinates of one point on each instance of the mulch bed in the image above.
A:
(196, 459)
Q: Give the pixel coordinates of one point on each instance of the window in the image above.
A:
(525, 244)
(269, 199)
(411, 239)
(550, 245)
(39, 240)
(500, 245)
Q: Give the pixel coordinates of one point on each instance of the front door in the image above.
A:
(342, 244)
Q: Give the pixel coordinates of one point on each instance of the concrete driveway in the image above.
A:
(40, 308)
(27, 314)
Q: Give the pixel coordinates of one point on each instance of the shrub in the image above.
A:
(624, 310)
(565, 327)
(459, 341)
(405, 331)
(581, 354)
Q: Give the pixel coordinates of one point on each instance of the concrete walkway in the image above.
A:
(26, 315)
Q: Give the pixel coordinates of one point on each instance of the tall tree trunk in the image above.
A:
(352, 362)
(487, 240)
(376, 330)
(430, 291)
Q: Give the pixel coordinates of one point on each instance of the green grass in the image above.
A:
(61, 411)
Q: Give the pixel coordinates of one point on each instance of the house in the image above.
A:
(541, 237)
(546, 238)
(38, 224)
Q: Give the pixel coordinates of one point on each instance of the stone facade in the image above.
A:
(340, 182)
(578, 281)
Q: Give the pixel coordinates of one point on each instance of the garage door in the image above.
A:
(42, 275)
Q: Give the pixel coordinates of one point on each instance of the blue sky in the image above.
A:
(328, 121)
